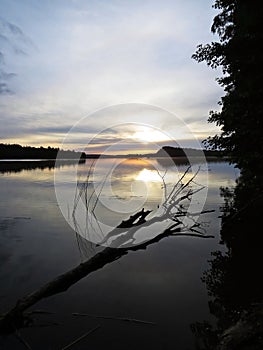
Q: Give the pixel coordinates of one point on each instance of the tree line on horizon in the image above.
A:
(187, 152)
(16, 151)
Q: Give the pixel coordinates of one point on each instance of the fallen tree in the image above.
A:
(174, 210)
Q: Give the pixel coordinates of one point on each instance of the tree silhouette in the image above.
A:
(15, 151)
(234, 280)
(239, 53)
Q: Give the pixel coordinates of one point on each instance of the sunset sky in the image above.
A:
(64, 62)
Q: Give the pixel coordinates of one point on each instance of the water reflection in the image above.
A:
(108, 191)
(180, 221)
(154, 285)
(16, 166)
(234, 280)
(148, 176)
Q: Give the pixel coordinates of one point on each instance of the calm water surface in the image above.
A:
(160, 284)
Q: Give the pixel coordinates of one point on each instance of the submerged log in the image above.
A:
(15, 318)
(120, 246)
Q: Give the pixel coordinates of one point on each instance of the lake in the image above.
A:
(160, 286)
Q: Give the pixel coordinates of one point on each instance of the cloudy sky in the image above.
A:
(104, 64)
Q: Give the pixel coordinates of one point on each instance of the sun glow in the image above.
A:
(149, 135)
(148, 176)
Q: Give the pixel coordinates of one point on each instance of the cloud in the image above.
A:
(95, 54)
(13, 41)
(13, 34)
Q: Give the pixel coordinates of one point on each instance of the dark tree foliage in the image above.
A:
(239, 53)
(168, 151)
(234, 280)
(14, 151)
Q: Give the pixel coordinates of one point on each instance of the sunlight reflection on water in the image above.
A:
(161, 284)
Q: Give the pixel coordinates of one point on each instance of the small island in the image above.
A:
(174, 152)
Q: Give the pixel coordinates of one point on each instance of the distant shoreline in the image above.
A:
(18, 160)
(13, 152)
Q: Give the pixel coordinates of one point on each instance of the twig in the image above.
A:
(19, 337)
(126, 319)
(40, 312)
(100, 191)
(45, 325)
(80, 338)
(164, 184)
(175, 186)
